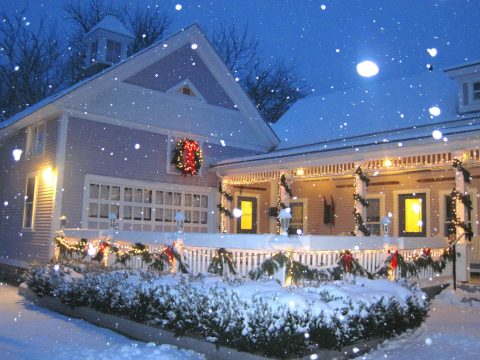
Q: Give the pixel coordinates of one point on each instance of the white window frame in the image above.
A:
(152, 224)
(32, 146)
(171, 143)
(381, 197)
(395, 208)
(34, 203)
(442, 213)
(304, 202)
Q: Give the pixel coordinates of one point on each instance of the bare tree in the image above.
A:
(148, 26)
(30, 63)
(272, 87)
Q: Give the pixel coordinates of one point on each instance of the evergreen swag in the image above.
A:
(360, 199)
(464, 199)
(467, 202)
(362, 177)
(283, 182)
(187, 157)
(458, 165)
(360, 225)
(222, 192)
(221, 258)
(225, 211)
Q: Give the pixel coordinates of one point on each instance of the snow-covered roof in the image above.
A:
(377, 107)
(112, 24)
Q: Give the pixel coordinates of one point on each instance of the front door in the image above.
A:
(412, 210)
(247, 222)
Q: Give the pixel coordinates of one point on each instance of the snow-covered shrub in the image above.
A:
(255, 316)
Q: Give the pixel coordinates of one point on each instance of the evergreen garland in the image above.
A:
(222, 257)
(362, 177)
(222, 192)
(225, 211)
(283, 182)
(349, 264)
(464, 199)
(360, 223)
(360, 199)
(458, 165)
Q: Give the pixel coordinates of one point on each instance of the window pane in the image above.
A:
(28, 215)
(177, 199)
(188, 216)
(128, 194)
(93, 210)
(246, 220)
(40, 140)
(204, 217)
(373, 210)
(374, 229)
(204, 202)
(127, 212)
(104, 211)
(297, 213)
(104, 192)
(188, 199)
(137, 213)
(30, 190)
(413, 215)
(116, 210)
(168, 215)
(115, 193)
(476, 86)
(138, 195)
(147, 213)
(168, 198)
(196, 200)
(196, 217)
(159, 197)
(448, 208)
(147, 196)
(94, 191)
(158, 214)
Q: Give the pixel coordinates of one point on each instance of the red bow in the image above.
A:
(347, 260)
(394, 261)
(190, 147)
(169, 252)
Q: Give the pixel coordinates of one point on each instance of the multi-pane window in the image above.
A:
(113, 51)
(373, 216)
(476, 90)
(146, 209)
(29, 204)
(296, 223)
(36, 137)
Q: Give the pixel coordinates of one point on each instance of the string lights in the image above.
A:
(187, 157)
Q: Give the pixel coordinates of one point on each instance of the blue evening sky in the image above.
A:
(328, 38)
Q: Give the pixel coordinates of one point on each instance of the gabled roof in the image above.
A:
(377, 107)
(112, 24)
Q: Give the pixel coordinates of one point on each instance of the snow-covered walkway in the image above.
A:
(452, 331)
(31, 332)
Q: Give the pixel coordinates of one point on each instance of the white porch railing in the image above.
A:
(250, 251)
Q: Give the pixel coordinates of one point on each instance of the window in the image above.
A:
(476, 91)
(296, 223)
(113, 51)
(186, 90)
(145, 209)
(374, 212)
(412, 214)
(29, 205)
(93, 51)
(36, 137)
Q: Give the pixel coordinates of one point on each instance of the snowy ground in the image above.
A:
(30, 332)
(452, 331)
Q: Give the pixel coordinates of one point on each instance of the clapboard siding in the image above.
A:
(109, 150)
(15, 243)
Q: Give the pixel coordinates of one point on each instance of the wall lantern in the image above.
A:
(17, 154)
(63, 221)
(180, 219)
(386, 223)
(285, 216)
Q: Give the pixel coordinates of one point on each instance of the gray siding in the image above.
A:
(14, 243)
(108, 150)
(181, 65)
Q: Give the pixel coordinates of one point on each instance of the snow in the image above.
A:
(388, 106)
(450, 332)
(111, 23)
(31, 332)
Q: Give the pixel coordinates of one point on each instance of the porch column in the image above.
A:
(463, 248)
(360, 190)
(274, 202)
(284, 197)
(230, 206)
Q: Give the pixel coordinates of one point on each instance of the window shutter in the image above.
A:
(465, 94)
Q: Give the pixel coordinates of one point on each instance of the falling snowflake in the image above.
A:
(178, 7)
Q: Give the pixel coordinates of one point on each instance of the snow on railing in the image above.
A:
(250, 251)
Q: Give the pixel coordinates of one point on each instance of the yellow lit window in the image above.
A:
(246, 222)
(413, 216)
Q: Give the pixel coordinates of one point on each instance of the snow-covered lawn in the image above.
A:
(31, 332)
(452, 331)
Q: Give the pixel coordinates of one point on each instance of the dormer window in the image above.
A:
(114, 50)
(93, 51)
(476, 90)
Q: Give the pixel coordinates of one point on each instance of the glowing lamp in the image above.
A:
(237, 212)
(63, 221)
(47, 175)
(112, 217)
(285, 217)
(300, 172)
(387, 163)
(180, 220)
(386, 223)
(17, 154)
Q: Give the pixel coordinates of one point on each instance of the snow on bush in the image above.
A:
(247, 315)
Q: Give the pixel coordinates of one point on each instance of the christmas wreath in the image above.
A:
(187, 157)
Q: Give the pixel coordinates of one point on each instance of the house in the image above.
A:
(106, 146)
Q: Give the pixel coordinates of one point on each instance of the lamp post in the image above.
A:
(386, 223)
(180, 220)
(285, 216)
(63, 221)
